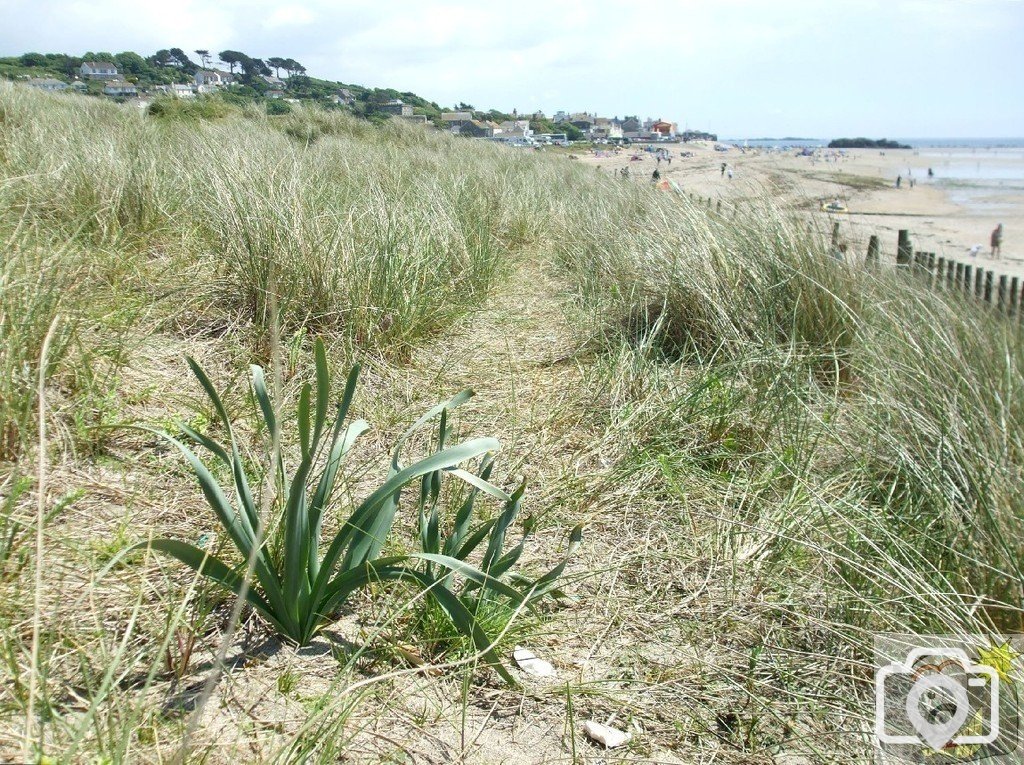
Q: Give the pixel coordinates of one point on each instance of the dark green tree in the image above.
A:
(277, 64)
(182, 61)
(133, 64)
(204, 56)
(232, 58)
(33, 59)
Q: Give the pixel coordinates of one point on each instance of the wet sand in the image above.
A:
(945, 215)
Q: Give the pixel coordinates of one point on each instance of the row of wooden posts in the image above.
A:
(1000, 290)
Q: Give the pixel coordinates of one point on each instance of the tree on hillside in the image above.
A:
(232, 58)
(277, 64)
(204, 56)
(101, 55)
(133, 64)
(182, 61)
(253, 68)
(464, 107)
(33, 59)
(293, 67)
(572, 132)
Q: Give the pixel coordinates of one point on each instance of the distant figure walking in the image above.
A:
(931, 173)
(899, 180)
(723, 168)
(655, 176)
(997, 241)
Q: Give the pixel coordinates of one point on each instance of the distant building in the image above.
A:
(473, 129)
(274, 83)
(662, 128)
(120, 89)
(212, 78)
(274, 93)
(631, 125)
(453, 118)
(343, 96)
(416, 119)
(606, 129)
(514, 126)
(582, 121)
(177, 89)
(98, 70)
(397, 107)
(48, 84)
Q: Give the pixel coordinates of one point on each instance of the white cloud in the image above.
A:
(895, 66)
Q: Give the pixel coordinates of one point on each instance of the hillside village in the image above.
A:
(171, 74)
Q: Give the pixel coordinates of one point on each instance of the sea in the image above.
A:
(977, 173)
(917, 143)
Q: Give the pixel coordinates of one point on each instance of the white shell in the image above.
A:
(603, 734)
(530, 664)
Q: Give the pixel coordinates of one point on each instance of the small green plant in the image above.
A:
(299, 588)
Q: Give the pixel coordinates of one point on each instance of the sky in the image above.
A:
(740, 68)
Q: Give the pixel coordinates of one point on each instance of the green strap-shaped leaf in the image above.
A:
(497, 541)
(546, 583)
(475, 575)
(259, 386)
(481, 483)
(343, 585)
(371, 525)
(203, 563)
(473, 540)
(236, 524)
(454, 402)
(363, 535)
(323, 389)
(207, 442)
(303, 419)
(211, 392)
(325, 487)
(464, 516)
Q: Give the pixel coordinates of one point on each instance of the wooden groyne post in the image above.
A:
(904, 250)
(873, 251)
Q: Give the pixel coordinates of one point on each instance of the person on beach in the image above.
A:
(931, 173)
(655, 176)
(723, 168)
(899, 180)
(997, 241)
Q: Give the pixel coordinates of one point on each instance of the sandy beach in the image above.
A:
(970, 193)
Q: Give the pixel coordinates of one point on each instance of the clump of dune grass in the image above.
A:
(849, 440)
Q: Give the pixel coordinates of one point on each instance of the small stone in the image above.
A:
(530, 664)
(606, 735)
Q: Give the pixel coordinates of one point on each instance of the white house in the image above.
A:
(98, 70)
(214, 78)
(522, 127)
(121, 88)
(275, 83)
(43, 83)
(177, 89)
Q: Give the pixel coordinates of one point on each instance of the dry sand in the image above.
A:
(944, 215)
